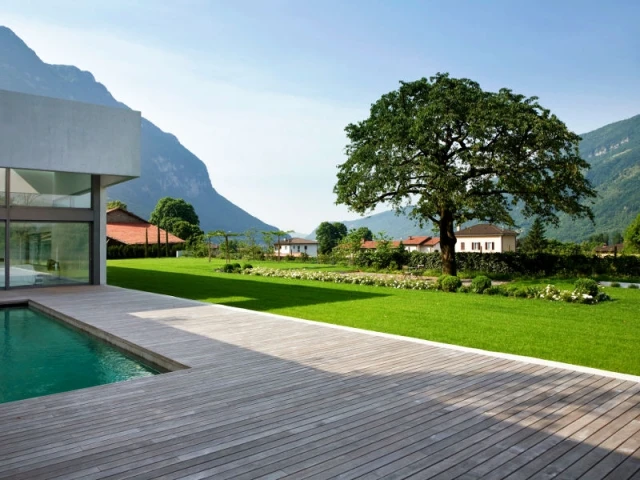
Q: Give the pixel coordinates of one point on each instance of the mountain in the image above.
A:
(614, 154)
(168, 168)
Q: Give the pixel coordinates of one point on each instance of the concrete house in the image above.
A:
(57, 159)
(422, 244)
(296, 247)
(126, 228)
(485, 238)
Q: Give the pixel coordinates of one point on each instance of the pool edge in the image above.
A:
(154, 359)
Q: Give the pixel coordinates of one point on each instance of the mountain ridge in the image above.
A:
(168, 168)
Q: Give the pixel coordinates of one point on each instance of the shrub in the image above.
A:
(464, 289)
(615, 284)
(586, 286)
(493, 291)
(229, 268)
(247, 266)
(449, 283)
(480, 284)
(633, 285)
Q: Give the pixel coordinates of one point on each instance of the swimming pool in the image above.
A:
(40, 356)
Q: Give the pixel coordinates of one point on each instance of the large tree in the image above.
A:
(169, 210)
(329, 235)
(459, 153)
(632, 236)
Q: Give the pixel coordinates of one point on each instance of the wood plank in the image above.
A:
(271, 397)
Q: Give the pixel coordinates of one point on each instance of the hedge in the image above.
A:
(532, 264)
(115, 252)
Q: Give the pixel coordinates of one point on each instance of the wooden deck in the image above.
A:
(271, 397)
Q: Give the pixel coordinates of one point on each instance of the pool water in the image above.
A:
(40, 356)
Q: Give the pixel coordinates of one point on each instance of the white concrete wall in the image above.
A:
(42, 133)
(501, 244)
(297, 249)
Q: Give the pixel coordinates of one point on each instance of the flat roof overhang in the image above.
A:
(42, 133)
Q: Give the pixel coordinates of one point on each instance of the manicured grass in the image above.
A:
(187, 262)
(602, 336)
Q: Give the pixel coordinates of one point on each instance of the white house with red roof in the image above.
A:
(424, 244)
(486, 238)
(296, 247)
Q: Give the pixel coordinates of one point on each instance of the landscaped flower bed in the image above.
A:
(586, 291)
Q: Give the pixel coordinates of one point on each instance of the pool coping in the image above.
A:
(151, 358)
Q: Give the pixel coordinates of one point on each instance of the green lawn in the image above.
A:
(603, 336)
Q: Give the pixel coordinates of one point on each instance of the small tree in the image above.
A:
(329, 235)
(226, 236)
(352, 242)
(280, 234)
(168, 210)
(535, 241)
(632, 236)
(116, 204)
(459, 153)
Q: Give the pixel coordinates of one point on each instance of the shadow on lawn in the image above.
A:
(256, 295)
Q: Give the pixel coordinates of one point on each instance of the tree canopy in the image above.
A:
(459, 153)
(632, 236)
(116, 204)
(329, 235)
(168, 210)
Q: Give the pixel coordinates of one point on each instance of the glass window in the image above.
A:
(3, 194)
(3, 227)
(48, 253)
(35, 188)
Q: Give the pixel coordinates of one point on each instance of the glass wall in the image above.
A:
(3, 194)
(51, 253)
(34, 188)
(3, 227)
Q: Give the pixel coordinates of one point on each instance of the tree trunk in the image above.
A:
(448, 244)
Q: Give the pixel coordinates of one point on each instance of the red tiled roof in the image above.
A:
(433, 242)
(415, 240)
(134, 234)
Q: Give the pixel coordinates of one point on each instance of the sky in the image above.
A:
(261, 91)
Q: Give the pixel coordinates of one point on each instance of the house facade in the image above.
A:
(57, 158)
(296, 247)
(422, 244)
(485, 238)
(126, 228)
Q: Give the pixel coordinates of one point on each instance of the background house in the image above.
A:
(296, 247)
(424, 244)
(126, 228)
(485, 238)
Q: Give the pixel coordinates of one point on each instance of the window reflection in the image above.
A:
(35, 188)
(52, 253)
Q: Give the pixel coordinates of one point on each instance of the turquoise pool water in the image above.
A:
(40, 356)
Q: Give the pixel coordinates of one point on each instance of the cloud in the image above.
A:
(272, 153)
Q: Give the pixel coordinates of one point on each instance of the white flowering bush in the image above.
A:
(550, 292)
(404, 283)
